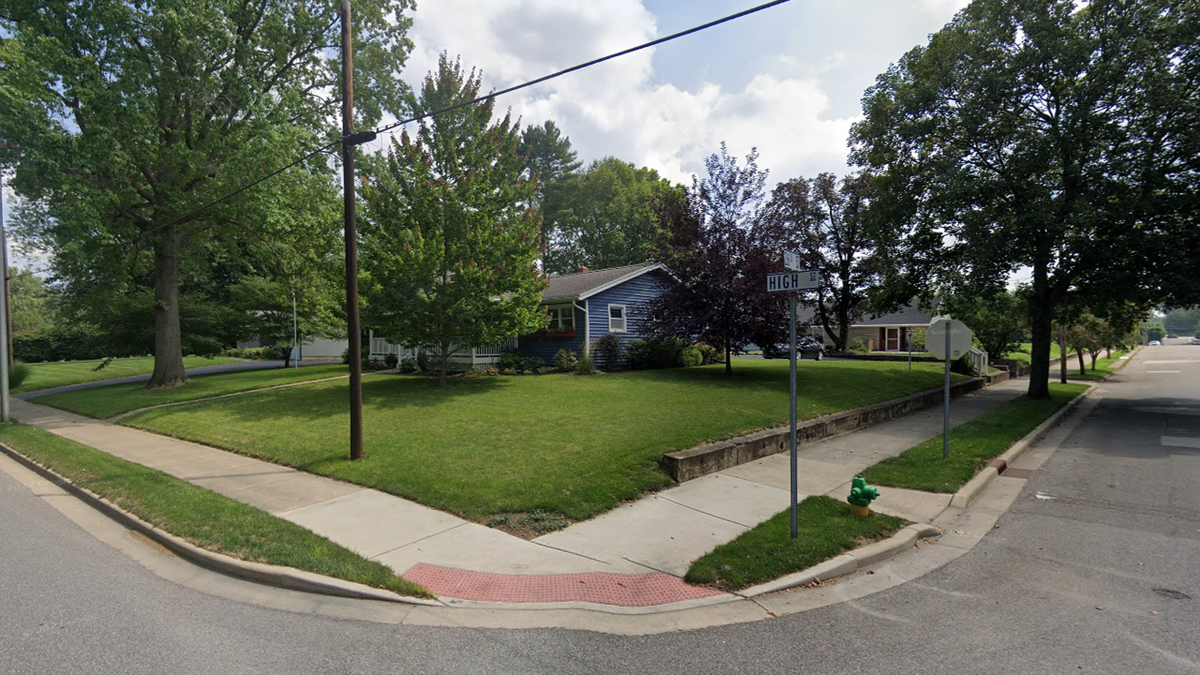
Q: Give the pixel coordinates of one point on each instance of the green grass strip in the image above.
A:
(204, 518)
(106, 402)
(63, 373)
(972, 445)
(767, 551)
(1104, 367)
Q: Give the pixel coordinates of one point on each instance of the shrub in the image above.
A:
(656, 353)
(565, 360)
(422, 361)
(709, 354)
(857, 345)
(408, 366)
(691, 356)
(514, 361)
(917, 342)
(586, 366)
(391, 360)
(18, 373)
(60, 342)
(607, 349)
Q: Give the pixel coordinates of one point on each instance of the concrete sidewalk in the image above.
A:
(654, 539)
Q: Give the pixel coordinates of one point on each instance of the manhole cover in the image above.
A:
(1174, 595)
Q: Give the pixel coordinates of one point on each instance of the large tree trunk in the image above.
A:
(168, 346)
(1042, 332)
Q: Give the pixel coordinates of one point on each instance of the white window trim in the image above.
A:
(557, 324)
(624, 320)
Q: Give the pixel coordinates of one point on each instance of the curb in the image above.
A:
(969, 492)
(274, 575)
(846, 563)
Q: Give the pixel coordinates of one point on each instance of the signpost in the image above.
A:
(790, 283)
(947, 339)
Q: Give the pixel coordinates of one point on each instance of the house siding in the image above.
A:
(545, 348)
(634, 294)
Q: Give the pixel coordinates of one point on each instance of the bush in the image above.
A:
(565, 360)
(691, 356)
(656, 353)
(252, 353)
(514, 361)
(409, 366)
(917, 342)
(60, 342)
(18, 374)
(709, 354)
(391, 360)
(422, 361)
(857, 345)
(586, 366)
(607, 349)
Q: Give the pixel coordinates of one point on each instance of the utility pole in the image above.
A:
(353, 330)
(5, 326)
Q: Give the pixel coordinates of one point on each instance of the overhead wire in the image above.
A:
(373, 134)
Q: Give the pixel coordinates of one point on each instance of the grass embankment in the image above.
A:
(204, 518)
(1022, 353)
(122, 398)
(972, 445)
(1104, 367)
(63, 373)
(487, 446)
(767, 552)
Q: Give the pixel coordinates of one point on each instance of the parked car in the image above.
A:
(805, 347)
(1155, 343)
(1196, 340)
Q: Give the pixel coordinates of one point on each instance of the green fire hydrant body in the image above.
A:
(861, 496)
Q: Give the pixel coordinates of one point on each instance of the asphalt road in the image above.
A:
(1095, 569)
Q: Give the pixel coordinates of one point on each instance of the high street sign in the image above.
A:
(782, 282)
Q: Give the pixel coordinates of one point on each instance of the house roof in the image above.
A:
(584, 284)
(909, 315)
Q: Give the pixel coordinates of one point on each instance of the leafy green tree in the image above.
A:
(997, 319)
(449, 241)
(34, 303)
(271, 314)
(130, 116)
(549, 155)
(603, 217)
(1181, 320)
(1051, 135)
(1154, 330)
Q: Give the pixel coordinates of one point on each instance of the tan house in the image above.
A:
(883, 333)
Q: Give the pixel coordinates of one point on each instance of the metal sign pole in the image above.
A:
(946, 417)
(795, 482)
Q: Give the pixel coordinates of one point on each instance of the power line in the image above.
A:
(368, 136)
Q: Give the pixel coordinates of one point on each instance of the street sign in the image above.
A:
(791, 260)
(782, 282)
(960, 338)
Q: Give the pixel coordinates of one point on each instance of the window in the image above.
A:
(616, 318)
(561, 317)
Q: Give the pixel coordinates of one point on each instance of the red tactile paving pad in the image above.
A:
(605, 588)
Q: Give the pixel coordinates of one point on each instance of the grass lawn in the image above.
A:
(122, 398)
(1103, 368)
(767, 551)
(1022, 353)
(972, 445)
(62, 373)
(203, 517)
(486, 446)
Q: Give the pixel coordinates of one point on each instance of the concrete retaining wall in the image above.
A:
(702, 460)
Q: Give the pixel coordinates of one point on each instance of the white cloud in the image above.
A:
(621, 107)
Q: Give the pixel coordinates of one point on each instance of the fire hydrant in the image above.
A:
(860, 497)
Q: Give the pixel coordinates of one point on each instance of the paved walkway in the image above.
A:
(652, 540)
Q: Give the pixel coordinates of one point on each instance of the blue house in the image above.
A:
(581, 306)
(586, 305)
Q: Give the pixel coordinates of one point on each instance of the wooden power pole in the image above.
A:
(353, 330)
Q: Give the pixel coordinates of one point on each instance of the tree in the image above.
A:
(34, 304)
(1045, 135)
(603, 217)
(272, 316)
(823, 220)
(132, 116)
(997, 319)
(1182, 320)
(449, 241)
(1154, 330)
(549, 155)
(708, 247)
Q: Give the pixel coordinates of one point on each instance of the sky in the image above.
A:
(788, 80)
